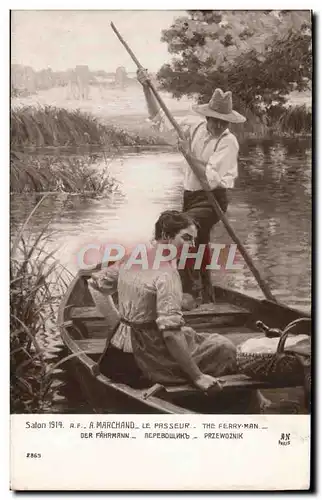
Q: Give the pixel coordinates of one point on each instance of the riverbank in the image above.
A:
(292, 121)
(123, 115)
(34, 127)
(52, 126)
(59, 174)
(37, 131)
(51, 131)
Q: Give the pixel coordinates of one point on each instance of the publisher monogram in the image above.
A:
(285, 439)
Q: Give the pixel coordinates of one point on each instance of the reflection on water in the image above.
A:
(270, 209)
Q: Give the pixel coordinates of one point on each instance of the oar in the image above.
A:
(249, 261)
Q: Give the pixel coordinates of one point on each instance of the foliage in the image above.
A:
(47, 127)
(59, 127)
(261, 56)
(37, 283)
(295, 119)
(62, 174)
(280, 121)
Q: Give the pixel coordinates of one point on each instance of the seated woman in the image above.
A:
(151, 322)
(152, 325)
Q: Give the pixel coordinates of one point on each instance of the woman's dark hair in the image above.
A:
(171, 222)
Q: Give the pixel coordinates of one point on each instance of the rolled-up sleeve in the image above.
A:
(105, 280)
(222, 169)
(168, 301)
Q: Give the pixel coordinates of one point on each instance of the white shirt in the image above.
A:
(221, 161)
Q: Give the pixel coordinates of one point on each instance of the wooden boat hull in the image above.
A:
(83, 332)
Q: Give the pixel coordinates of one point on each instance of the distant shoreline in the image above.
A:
(124, 113)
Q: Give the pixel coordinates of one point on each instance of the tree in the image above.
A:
(260, 55)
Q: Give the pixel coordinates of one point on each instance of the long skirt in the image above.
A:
(214, 354)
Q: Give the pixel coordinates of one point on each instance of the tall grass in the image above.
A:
(279, 121)
(59, 174)
(295, 120)
(253, 127)
(50, 126)
(37, 283)
(40, 127)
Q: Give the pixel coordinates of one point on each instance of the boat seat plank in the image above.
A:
(93, 346)
(86, 312)
(236, 381)
(219, 309)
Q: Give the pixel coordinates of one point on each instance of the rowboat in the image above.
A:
(83, 331)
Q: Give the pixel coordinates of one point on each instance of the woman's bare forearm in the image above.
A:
(178, 348)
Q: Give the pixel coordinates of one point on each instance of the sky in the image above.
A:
(62, 39)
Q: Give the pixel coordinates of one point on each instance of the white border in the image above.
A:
(211, 451)
(121, 4)
(165, 5)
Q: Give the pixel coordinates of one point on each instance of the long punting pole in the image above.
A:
(249, 261)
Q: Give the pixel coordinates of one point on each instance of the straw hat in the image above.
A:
(220, 106)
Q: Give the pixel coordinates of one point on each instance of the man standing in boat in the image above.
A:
(213, 150)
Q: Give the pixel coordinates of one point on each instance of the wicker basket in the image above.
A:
(280, 367)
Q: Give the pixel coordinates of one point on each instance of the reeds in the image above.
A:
(37, 283)
(59, 174)
(279, 121)
(254, 126)
(295, 120)
(41, 126)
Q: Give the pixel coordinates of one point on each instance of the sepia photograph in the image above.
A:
(160, 212)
